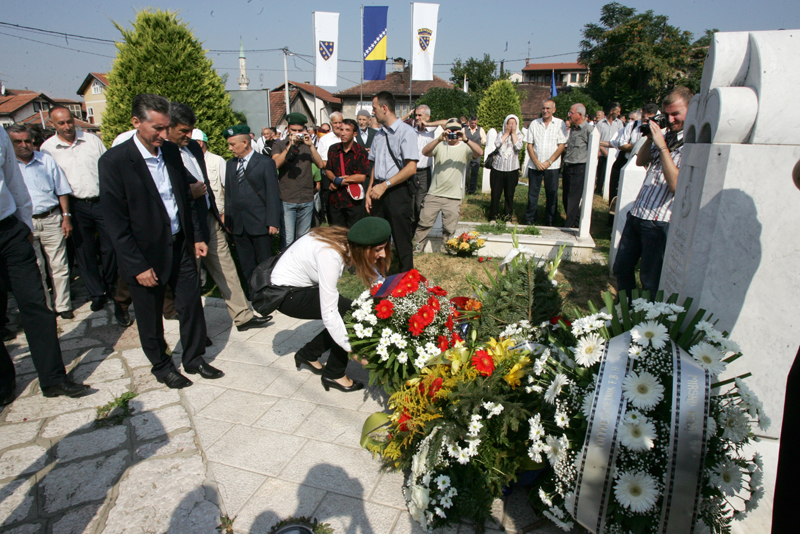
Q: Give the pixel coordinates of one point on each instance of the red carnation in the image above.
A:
(427, 314)
(483, 362)
(416, 324)
(401, 423)
(384, 309)
(433, 302)
(443, 343)
(436, 290)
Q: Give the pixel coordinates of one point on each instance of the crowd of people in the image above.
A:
(140, 218)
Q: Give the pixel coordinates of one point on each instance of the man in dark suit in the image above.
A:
(252, 200)
(218, 261)
(365, 133)
(154, 228)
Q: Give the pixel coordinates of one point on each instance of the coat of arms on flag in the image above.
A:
(424, 35)
(326, 49)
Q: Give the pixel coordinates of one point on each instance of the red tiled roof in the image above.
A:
(309, 88)
(100, 76)
(532, 101)
(10, 104)
(555, 66)
(10, 92)
(277, 105)
(36, 119)
(397, 84)
(64, 101)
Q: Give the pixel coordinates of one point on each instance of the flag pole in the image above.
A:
(316, 53)
(410, 57)
(361, 85)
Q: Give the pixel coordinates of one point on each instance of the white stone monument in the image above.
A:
(612, 157)
(491, 138)
(584, 226)
(734, 240)
(631, 178)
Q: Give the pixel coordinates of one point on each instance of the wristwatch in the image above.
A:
(388, 184)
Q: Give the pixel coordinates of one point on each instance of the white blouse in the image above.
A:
(309, 262)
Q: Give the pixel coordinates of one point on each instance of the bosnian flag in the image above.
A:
(374, 39)
(326, 36)
(424, 20)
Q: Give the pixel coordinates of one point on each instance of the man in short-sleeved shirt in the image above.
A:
(575, 157)
(347, 164)
(546, 138)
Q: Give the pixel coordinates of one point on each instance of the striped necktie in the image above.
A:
(240, 171)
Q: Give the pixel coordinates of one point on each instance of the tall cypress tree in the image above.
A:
(161, 55)
(499, 101)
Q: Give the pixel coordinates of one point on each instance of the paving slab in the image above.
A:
(255, 449)
(275, 501)
(235, 486)
(11, 435)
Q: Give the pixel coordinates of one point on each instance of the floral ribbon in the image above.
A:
(593, 486)
(687, 447)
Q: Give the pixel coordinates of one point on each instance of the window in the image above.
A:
(90, 115)
(37, 106)
(547, 78)
(97, 88)
(583, 78)
(45, 106)
(573, 78)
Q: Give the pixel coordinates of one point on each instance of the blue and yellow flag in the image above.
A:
(374, 34)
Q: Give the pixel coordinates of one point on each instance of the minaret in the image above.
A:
(244, 81)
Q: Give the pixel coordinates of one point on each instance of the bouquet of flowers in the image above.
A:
(640, 433)
(461, 428)
(464, 245)
(400, 325)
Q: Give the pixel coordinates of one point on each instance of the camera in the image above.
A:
(658, 119)
(301, 135)
(452, 135)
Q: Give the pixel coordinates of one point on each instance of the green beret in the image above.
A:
(370, 231)
(296, 118)
(239, 129)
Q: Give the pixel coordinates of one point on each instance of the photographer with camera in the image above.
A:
(645, 233)
(293, 156)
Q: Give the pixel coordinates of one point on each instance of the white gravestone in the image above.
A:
(491, 138)
(612, 157)
(733, 242)
(584, 226)
(631, 178)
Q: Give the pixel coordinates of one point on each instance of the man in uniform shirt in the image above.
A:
(394, 155)
(347, 164)
(293, 158)
(49, 190)
(575, 157)
(20, 276)
(77, 153)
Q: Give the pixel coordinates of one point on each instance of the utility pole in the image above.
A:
(286, 79)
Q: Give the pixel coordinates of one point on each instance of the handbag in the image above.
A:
(267, 297)
(489, 160)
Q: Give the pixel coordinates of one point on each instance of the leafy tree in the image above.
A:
(480, 74)
(566, 99)
(447, 103)
(635, 58)
(500, 100)
(161, 55)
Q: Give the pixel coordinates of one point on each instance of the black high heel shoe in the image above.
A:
(328, 383)
(300, 361)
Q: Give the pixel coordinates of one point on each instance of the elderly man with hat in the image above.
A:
(451, 152)
(293, 157)
(365, 133)
(252, 200)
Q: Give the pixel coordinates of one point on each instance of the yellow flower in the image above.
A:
(516, 373)
(500, 348)
(452, 242)
(481, 242)
(464, 246)
(474, 234)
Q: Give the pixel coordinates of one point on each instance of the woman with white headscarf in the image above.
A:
(505, 168)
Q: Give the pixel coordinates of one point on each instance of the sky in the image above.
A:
(506, 30)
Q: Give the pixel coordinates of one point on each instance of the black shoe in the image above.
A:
(121, 315)
(7, 335)
(329, 383)
(255, 322)
(175, 380)
(173, 317)
(67, 315)
(205, 370)
(7, 394)
(209, 342)
(299, 360)
(67, 388)
(98, 304)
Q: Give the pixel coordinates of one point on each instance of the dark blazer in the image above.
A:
(200, 204)
(249, 210)
(135, 217)
(370, 137)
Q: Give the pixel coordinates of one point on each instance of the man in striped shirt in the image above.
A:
(645, 233)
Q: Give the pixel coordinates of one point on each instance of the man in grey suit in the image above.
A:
(252, 200)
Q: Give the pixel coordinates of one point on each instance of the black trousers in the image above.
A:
(303, 303)
(616, 170)
(785, 502)
(149, 301)
(419, 185)
(19, 274)
(472, 175)
(600, 177)
(252, 250)
(572, 180)
(346, 217)
(502, 183)
(87, 220)
(396, 207)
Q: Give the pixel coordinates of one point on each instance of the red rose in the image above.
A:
(443, 343)
(433, 302)
(384, 309)
(427, 314)
(416, 325)
(401, 423)
(483, 362)
(436, 290)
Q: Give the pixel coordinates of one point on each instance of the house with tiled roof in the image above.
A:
(397, 83)
(567, 74)
(325, 104)
(16, 105)
(93, 90)
(531, 98)
(36, 119)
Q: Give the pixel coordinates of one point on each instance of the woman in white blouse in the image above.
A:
(312, 267)
(505, 168)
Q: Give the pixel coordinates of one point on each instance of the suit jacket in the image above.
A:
(200, 204)
(370, 136)
(135, 217)
(249, 210)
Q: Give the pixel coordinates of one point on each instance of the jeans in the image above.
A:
(297, 220)
(641, 239)
(550, 190)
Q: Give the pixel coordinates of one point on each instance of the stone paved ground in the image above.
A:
(261, 444)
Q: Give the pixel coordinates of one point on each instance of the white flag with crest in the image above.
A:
(326, 39)
(424, 19)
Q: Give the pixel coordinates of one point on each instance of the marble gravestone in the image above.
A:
(734, 237)
(631, 178)
(612, 157)
(491, 138)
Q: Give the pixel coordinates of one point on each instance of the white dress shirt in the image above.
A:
(194, 169)
(78, 161)
(45, 182)
(158, 170)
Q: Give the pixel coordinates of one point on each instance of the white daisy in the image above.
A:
(728, 478)
(638, 437)
(715, 336)
(474, 428)
(420, 362)
(589, 350)
(636, 491)
(562, 420)
(396, 338)
(711, 428)
(653, 333)
(730, 345)
(764, 422)
(586, 408)
(443, 482)
(553, 391)
(463, 456)
(704, 326)
(633, 417)
(446, 501)
(386, 333)
(635, 351)
(368, 332)
(402, 357)
(544, 498)
(644, 390)
(493, 409)
(555, 450)
(734, 424)
(709, 357)
(382, 352)
(756, 478)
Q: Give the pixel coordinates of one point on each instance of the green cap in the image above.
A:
(296, 118)
(239, 129)
(370, 231)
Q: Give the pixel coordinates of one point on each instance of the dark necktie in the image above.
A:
(240, 171)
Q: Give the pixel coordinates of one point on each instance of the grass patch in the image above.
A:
(501, 227)
(115, 411)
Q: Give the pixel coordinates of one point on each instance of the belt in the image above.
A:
(176, 237)
(47, 213)
(92, 200)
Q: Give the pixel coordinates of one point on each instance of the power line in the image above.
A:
(57, 46)
(50, 32)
